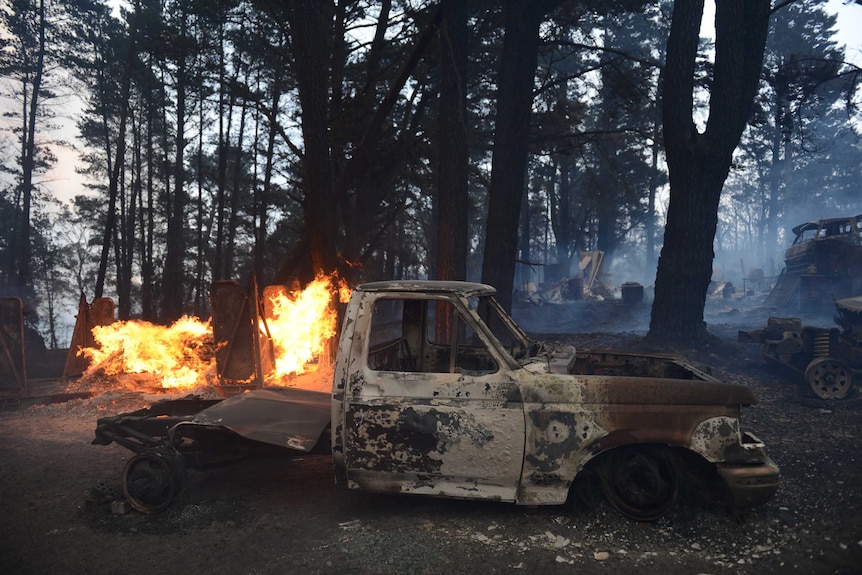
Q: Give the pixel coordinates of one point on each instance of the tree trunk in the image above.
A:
(173, 276)
(309, 26)
(452, 159)
(235, 192)
(698, 163)
(649, 227)
(23, 266)
(511, 130)
(126, 229)
(147, 223)
(261, 204)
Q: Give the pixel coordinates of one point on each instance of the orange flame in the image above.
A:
(179, 353)
(299, 324)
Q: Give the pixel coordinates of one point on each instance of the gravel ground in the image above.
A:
(278, 515)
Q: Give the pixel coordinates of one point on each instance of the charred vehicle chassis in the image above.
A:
(172, 436)
(436, 391)
(829, 359)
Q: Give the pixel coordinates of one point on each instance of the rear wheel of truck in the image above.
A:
(829, 378)
(640, 482)
(153, 478)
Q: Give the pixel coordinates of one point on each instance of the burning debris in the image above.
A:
(248, 344)
(478, 411)
(178, 356)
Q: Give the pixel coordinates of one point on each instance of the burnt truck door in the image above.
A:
(434, 411)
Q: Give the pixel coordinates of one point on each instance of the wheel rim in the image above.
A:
(152, 479)
(829, 378)
(640, 483)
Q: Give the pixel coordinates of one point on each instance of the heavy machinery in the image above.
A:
(824, 262)
(829, 359)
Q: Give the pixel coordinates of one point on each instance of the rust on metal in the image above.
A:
(824, 262)
(243, 354)
(410, 410)
(474, 410)
(99, 313)
(828, 358)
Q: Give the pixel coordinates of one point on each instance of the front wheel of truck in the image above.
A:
(153, 478)
(640, 481)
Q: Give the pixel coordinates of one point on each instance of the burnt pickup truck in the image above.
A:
(436, 391)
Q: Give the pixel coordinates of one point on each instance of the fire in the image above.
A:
(181, 356)
(300, 325)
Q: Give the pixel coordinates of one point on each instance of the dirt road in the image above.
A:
(281, 515)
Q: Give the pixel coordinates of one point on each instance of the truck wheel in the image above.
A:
(829, 378)
(153, 478)
(640, 482)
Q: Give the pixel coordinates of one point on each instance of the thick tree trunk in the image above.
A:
(23, 266)
(310, 41)
(511, 130)
(173, 275)
(698, 163)
(452, 160)
(508, 168)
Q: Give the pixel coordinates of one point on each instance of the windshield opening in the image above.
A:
(502, 326)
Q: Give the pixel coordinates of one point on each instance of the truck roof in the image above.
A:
(467, 289)
(814, 224)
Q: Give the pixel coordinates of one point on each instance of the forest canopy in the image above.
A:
(481, 140)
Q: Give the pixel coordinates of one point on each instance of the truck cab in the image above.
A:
(438, 392)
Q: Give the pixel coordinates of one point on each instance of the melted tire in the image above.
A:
(153, 478)
(640, 482)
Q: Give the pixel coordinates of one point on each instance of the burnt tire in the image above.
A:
(153, 478)
(829, 378)
(640, 482)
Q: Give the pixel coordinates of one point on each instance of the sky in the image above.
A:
(65, 183)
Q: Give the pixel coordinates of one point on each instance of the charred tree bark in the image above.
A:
(22, 267)
(310, 22)
(114, 177)
(173, 275)
(511, 129)
(452, 159)
(698, 163)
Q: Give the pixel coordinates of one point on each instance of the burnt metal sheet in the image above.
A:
(287, 417)
(99, 313)
(13, 369)
(467, 289)
(243, 352)
(852, 304)
(231, 330)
